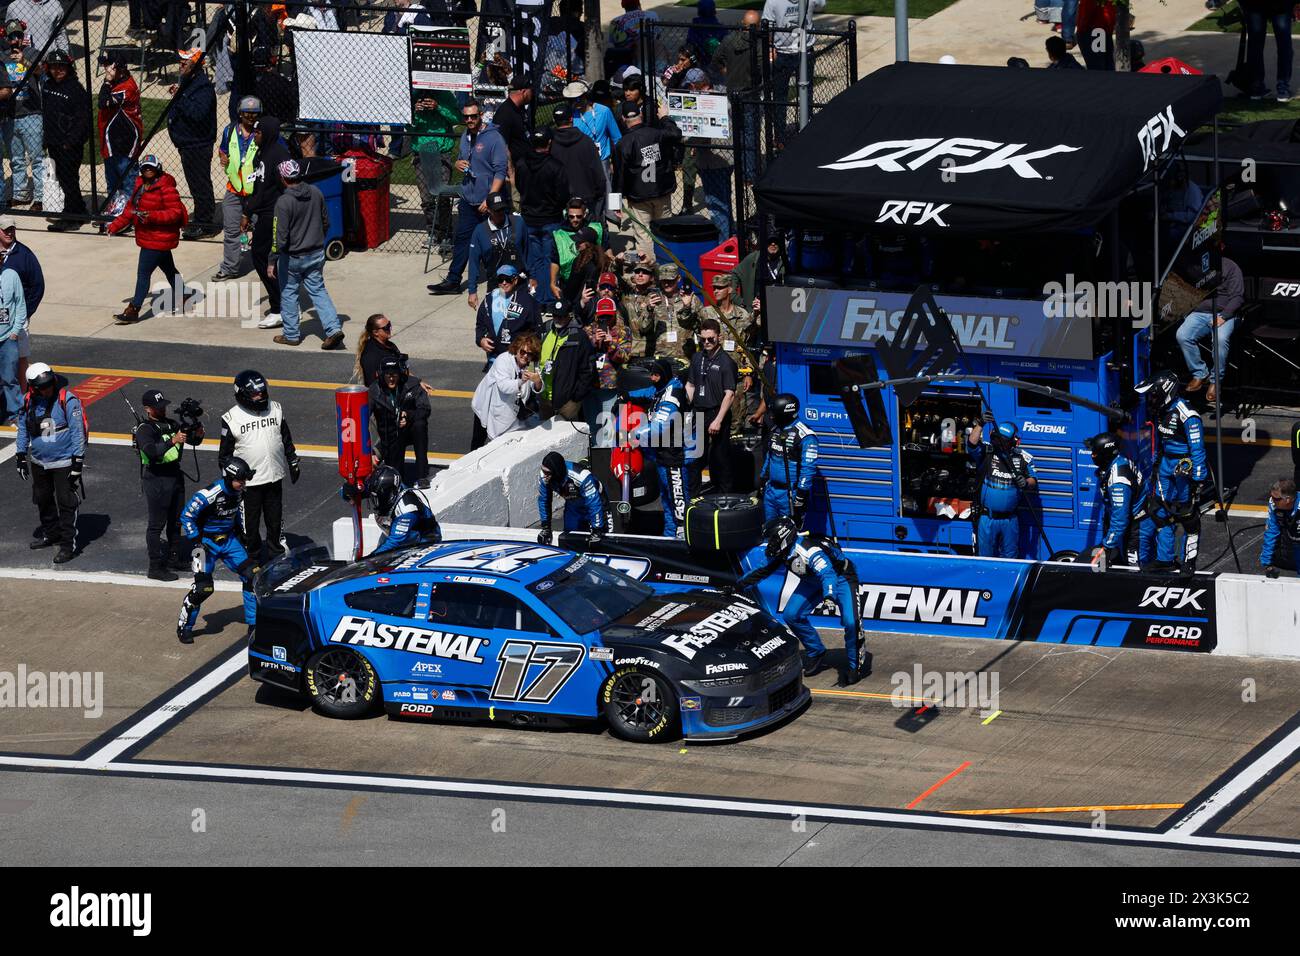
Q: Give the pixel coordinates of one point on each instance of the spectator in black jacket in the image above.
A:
(192, 126)
(66, 106)
(580, 156)
(278, 93)
(259, 209)
(400, 410)
(568, 364)
(510, 118)
(643, 173)
(543, 191)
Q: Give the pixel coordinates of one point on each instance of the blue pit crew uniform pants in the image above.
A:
(1157, 534)
(776, 502)
(675, 494)
(997, 537)
(798, 613)
(229, 550)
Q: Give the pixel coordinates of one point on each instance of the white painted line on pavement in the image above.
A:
(1218, 802)
(104, 577)
(102, 757)
(8, 451)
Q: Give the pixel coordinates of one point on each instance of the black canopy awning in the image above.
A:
(982, 149)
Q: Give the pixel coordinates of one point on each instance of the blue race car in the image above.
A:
(524, 634)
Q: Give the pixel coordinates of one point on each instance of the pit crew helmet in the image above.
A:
(554, 469)
(251, 391)
(1104, 448)
(1006, 435)
(1160, 389)
(785, 409)
(781, 534)
(384, 487)
(236, 469)
(40, 375)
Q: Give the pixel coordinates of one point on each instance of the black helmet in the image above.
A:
(785, 409)
(384, 485)
(237, 469)
(781, 534)
(1006, 436)
(665, 368)
(59, 58)
(1160, 389)
(556, 467)
(251, 391)
(1104, 448)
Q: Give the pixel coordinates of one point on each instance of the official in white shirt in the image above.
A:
(255, 430)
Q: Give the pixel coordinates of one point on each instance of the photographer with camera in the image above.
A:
(161, 443)
(255, 430)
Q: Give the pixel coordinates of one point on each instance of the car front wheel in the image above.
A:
(341, 683)
(640, 705)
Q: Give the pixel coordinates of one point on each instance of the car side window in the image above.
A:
(395, 600)
(471, 605)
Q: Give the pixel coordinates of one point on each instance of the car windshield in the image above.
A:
(588, 595)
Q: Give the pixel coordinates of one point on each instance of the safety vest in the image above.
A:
(551, 346)
(239, 169)
(172, 454)
(568, 249)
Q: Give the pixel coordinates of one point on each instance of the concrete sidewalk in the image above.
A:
(89, 278)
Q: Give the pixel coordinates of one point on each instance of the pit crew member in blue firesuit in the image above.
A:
(824, 573)
(1004, 476)
(1181, 475)
(1120, 484)
(664, 436)
(1283, 528)
(790, 464)
(586, 508)
(211, 525)
(403, 513)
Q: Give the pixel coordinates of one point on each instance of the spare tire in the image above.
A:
(724, 523)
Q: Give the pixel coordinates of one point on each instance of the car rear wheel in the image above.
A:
(341, 683)
(640, 705)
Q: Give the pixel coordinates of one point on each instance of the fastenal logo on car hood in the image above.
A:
(888, 155)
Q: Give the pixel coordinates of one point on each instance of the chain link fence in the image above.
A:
(249, 48)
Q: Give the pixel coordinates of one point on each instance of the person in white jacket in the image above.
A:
(507, 387)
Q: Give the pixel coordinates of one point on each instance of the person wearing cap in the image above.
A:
(161, 444)
(156, 212)
(511, 117)
(301, 221)
(237, 152)
(20, 106)
(568, 364)
(13, 329)
(484, 162)
(506, 396)
(505, 313)
(543, 190)
(644, 175)
(121, 126)
(678, 310)
(65, 106)
(399, 409)
(737, 324)
(41, 19)
(642, 318)
(500, 238)
(50, 450)
(612, 342)
(593, 119)
(588, 261)
(192, 128)
(580, 157)
(258, 219)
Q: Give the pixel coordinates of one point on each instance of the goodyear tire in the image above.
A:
(341, 683)
(640, 705)
(724, 523)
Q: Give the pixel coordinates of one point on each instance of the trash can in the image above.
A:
(719, 262)
(327, 176)
(370, 179)
(689, 237)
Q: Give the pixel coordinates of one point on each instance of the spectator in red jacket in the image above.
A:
(1096, 33)
(157, 213)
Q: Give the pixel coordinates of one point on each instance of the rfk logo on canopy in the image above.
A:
(1155, 136)
(886, 156)
(905, 357)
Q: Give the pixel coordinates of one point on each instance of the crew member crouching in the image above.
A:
(404, 514)
(586, 507)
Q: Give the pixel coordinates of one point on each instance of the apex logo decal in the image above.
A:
(1175, 598)
(902, 212)
(886, 155)
(1159, 129)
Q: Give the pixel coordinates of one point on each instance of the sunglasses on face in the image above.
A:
(1281, 498)
(387, 327)
(469, 116)
(578, 218)
(709, 340)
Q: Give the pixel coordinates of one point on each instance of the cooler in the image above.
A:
(371, 178)
(718, 262)
(688, 237)
(327, 176)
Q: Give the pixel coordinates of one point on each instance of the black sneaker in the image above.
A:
(848, 677)
(183, 635)
(159, 572)
(814, 665)
(64, 556)
(178, 563)
(445, 287)
(42, 543)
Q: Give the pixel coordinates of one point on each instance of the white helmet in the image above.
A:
(39, 375)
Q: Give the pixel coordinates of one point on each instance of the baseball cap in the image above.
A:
(497, 201)
(250, 104)
(669, 270)
(585, 234)
(192, 54)
(289, 169)
(696, 75)
(601, 89)
(574, 90)
(7, 223)
(606, 306)
(150, 160)
(540, 137)
(154, 399)
(506, 269)
(721, 279)
(645, 265)
(562, 114)
(13, 27)
(521, 82)
(628, 108)
(607, 279)
(112, 58)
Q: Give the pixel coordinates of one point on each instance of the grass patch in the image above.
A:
(916, 9)
(1227, 19)
(1239, 109)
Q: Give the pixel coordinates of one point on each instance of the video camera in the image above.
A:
(188, 414)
